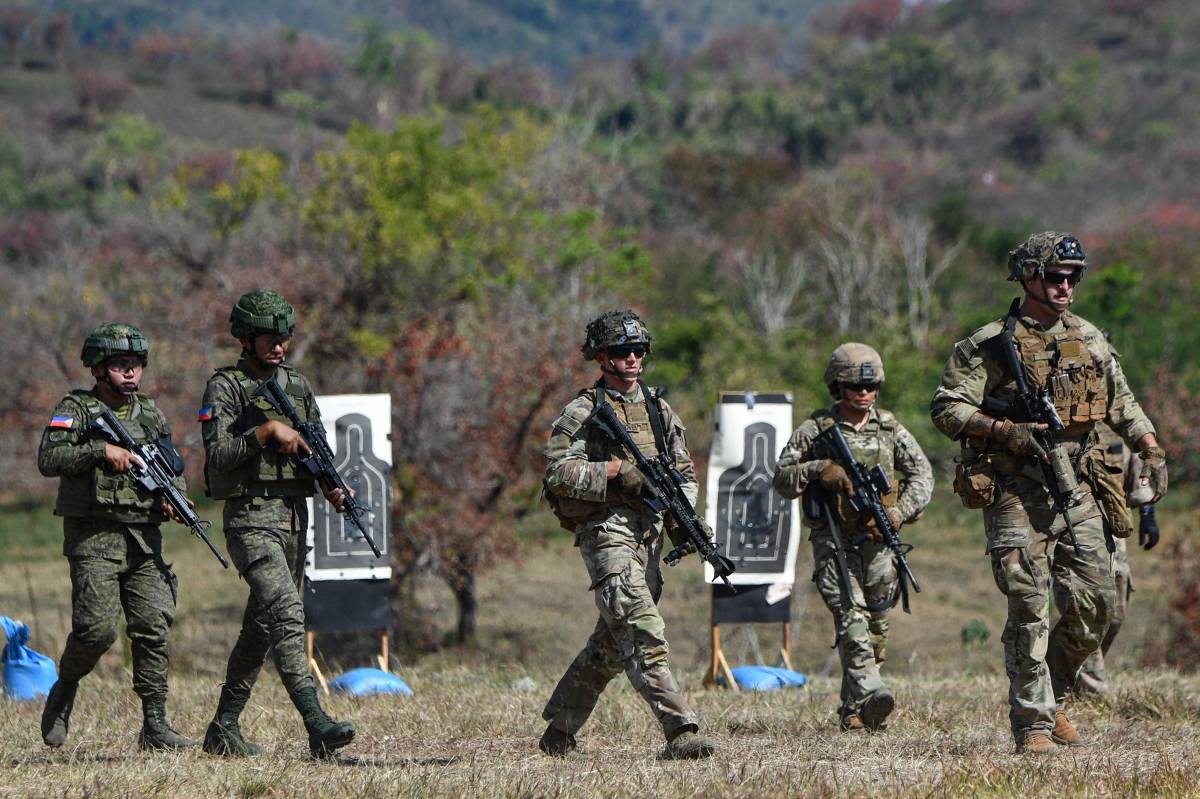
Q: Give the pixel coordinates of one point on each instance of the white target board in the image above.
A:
(358, 427)
(755, 527)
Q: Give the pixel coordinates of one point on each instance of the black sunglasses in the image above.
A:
(861, 386)
(625, 350)
(1054, 278)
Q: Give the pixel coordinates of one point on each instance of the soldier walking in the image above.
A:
(1045, 512)
(847, 545)
(594, 488)
(111, 535)
(251, 464)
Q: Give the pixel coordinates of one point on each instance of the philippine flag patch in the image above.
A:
(206, 413)
(65, 422)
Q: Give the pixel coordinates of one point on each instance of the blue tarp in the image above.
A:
(28, 674)
(364, 682)
(767, 678)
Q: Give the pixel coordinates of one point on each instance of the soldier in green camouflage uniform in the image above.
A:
(251, 464)
(111, 534)
(860, 610)
(594, 488)
(1003, 471)
(1092, 674)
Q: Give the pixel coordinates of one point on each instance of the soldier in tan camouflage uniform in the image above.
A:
(860, 610)
(594, 488)
(1092, 677)
(1003, 470)
(111, 535)
(251, 464)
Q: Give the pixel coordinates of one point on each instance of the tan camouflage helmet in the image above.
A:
(114, 338)
(262, 311)
(853, 363)
(1043, 250)
(612, 329)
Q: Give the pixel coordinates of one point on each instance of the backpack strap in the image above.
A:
(657, 426)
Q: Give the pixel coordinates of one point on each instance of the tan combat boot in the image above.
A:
(688, 745)
(1064, 733)
(852, 723)
(1035, 742)
(876, 709)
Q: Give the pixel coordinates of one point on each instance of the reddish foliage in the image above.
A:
(1180, 216)
(158, 51)
(209, 169)
(27, 236)
(100, 91)
(870, 19)
(271, 63)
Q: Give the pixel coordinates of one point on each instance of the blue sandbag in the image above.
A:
(767, 678)
(365, 681)
(28, 674)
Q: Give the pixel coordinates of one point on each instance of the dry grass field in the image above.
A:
(472, 726)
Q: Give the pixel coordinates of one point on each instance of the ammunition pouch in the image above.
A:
(975, 481)
(1108, 487)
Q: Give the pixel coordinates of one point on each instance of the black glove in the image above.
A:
(1148, 528)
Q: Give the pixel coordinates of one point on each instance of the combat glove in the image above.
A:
(834, 478)
(1020, 438)
(1148, 527)
(630, 480)
(1154, 467)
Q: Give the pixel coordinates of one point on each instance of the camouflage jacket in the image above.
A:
(881, 441)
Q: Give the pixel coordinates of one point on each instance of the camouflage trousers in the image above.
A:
(271, 561)
(102, 586)
(622, 559)
(860, 634)
(1092, 674)
(1032, 556)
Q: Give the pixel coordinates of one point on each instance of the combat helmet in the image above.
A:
(1043, 250)
(262, 311)
(853, 363)
(612, 329)
(114, 338)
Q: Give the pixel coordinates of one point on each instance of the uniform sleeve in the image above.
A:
(224, 449)
(66, 448)
(569, 473)
(1125, 415)
(914, 472)
(798, 466)
(677, 443)
(964, 384)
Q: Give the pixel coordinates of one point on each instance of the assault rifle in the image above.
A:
(319, 460)
(869, 487)
(156, 475)
(1036, 406)
(817, 507)
(663, 493)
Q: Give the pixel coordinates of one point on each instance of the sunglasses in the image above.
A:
(625, 350)
(1054, 278)
(861, 386)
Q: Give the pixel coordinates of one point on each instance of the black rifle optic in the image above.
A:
(157, 475)
(869, 487)
(319, 460)
(663, 493)
(1036, 406)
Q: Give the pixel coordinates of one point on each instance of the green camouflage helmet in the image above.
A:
(612, 329)
(1043, 250)
(114, 338)
(853, 363)
(262, 311)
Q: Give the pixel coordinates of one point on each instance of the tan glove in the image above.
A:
(1019, 439)
(630, 480)
(834, 478)
(1154, 467)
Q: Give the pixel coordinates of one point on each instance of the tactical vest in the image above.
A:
(1063, 363)
(269, 473)
(869, 448)
(99, 494)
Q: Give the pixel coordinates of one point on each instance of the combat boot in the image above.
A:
(1064, 733)
(557, 743)
(156, 733)
(224, 734)
(688, 745)
(324, 734)
(876, 709)
(56, 715)
(1035, 742)
(879, 649)
(852, 723)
